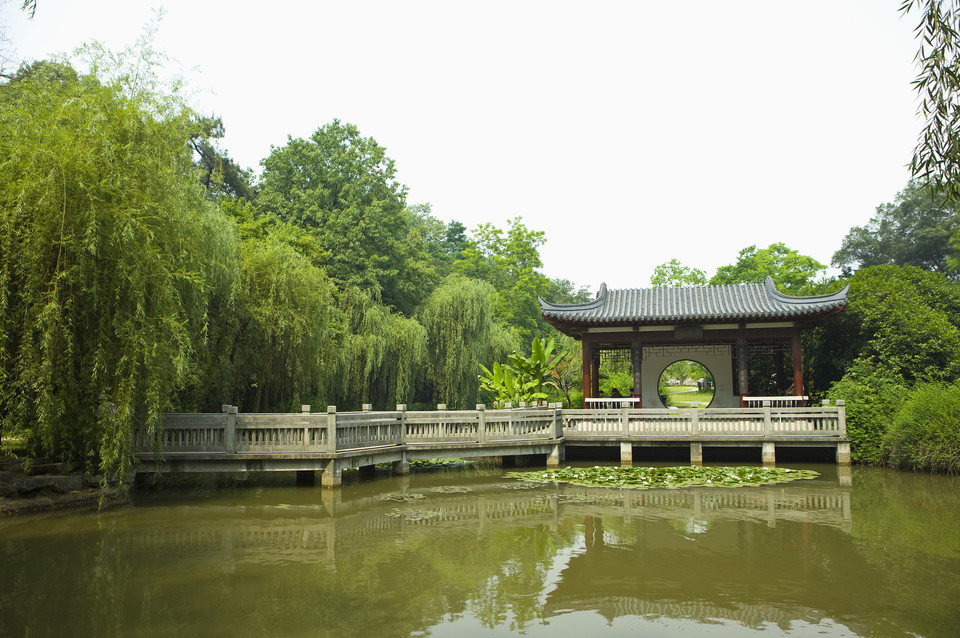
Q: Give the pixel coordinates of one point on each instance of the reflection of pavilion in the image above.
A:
(695, 559)
(748, 336)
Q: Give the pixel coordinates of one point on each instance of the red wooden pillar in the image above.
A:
(796, 353)
(596, 372)
(587, 369)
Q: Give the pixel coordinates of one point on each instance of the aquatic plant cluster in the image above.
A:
(665, 477)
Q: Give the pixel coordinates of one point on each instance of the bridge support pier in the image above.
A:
(843, 453)
(401, 467)
(696, 454)
(332, 474)
(769, 453)
(555, 456)
(626, 453)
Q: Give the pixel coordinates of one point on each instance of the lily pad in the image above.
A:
(452, 489)
(643, 478)
(403, 497)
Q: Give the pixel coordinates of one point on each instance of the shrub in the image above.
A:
(925, 435)
(873, 397)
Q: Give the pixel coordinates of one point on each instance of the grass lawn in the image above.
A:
(683, 396)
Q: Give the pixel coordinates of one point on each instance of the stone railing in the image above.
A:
(765, 421)
(231, 432)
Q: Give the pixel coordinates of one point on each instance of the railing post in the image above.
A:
(481, 423)
(767, 419)
(441, 407)
(402, 409)
(230, 429)
(842, 417)
(366, 407)
(557, 421)
(305, 410)
(694, 422)
(331, 428)
(625, 421)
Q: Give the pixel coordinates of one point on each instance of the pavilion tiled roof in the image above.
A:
(699, 304)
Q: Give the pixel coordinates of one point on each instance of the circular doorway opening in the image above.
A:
(686, 384)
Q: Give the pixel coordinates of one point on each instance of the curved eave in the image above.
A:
(764, 303)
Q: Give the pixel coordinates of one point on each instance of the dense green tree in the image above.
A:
(287, 338)
(461, 334)
(674, 274)
(914, 230)
(341, 187)
(220, 174)
(510, 262)
(792, 272)
(382, 356)
(902, 320)
(109, 256)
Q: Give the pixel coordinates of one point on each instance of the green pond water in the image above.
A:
(861, 552)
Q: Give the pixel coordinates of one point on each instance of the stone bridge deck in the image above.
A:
(330, 442)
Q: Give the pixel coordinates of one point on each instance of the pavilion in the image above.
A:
(746, 335)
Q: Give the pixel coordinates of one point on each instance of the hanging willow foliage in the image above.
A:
(382, 357)
(108, 255)
(458, 318)
(286, 335)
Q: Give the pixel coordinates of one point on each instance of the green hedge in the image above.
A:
(925, 433)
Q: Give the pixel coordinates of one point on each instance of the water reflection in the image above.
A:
(873, 553)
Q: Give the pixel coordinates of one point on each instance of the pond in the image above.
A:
(467, 552)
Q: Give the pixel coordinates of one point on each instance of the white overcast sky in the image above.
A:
(630, 132)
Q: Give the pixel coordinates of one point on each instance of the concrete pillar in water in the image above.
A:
(555, 456)
(332, 474)
(401, 467)
(626, 453)
(769, 453)
(696, 454)
(843, 453)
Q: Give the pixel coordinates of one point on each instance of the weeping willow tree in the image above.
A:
(459, 320)
(286, 337)
(381, 358)
(109, 254)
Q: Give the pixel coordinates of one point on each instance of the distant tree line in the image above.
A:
(142, 270)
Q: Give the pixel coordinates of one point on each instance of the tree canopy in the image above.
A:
(914, 230)
(111, 256)
(673, 274)
(792, 272)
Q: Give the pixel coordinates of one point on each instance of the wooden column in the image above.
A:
(637, 359)
(796, 353)
(596, 373)
(587, 368)
(743, 371)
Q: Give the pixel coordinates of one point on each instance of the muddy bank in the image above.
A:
(48, 488)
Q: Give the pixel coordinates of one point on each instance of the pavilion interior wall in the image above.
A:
(716, 358)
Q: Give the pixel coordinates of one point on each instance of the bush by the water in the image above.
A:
(873, 397)
(925, 434)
